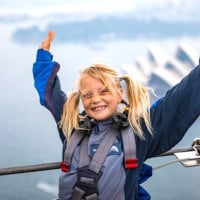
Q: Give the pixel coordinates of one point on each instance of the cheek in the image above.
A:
(119, 96)
(119, 99)
(85, 103)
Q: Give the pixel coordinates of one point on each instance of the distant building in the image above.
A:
(161, 71)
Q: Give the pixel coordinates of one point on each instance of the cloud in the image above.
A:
(69, 6)
(168, 10)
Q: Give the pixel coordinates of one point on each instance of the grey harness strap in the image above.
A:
(76, 138)
(84, 158)
(128, 139)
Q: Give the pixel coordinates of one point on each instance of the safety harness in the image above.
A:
(89, 171)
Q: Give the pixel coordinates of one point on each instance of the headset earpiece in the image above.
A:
(86, 124)
(121, 119)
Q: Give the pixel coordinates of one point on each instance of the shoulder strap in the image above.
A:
(75, 139)
(84, 158)
(129, 146)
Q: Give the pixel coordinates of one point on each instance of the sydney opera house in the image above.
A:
(161, 71)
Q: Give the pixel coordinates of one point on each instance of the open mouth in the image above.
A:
(99, 108)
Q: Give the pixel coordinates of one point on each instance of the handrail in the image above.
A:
(29, 168)
(56, 165)
(178, 150)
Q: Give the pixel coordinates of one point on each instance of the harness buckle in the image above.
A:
(87, 181)
(64, 166)
(131, 163)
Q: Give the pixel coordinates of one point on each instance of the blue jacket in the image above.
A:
(171, 116)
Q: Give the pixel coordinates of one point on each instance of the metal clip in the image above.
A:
(196, 146)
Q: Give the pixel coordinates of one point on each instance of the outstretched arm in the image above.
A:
(173, 115)
(46, 80)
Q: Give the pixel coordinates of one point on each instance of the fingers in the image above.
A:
(50, 36)
(46, 44)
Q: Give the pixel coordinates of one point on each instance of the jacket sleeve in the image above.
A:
(173, 114)
(47, 84)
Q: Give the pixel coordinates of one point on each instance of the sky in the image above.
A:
(73, 4)
(166, 9)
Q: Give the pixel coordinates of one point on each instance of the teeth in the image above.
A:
(98, 108)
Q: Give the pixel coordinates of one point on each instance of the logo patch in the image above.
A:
(115, 149)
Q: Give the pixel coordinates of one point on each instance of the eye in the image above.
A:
(87, 95)
(104, 91)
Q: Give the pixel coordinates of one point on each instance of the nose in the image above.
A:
(96, 99)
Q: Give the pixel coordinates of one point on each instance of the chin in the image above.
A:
(101, 118)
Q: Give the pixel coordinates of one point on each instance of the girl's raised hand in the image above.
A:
(46, 44)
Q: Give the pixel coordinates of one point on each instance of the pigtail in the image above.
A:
(70, 116)
(139, 102)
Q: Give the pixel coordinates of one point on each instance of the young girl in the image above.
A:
(92, 169)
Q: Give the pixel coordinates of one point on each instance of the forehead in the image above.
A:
(89, 83)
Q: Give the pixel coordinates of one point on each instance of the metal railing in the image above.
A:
(56, 165)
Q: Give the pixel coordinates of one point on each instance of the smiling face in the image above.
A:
(98, 102)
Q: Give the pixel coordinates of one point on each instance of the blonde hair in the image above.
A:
(136, 94)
